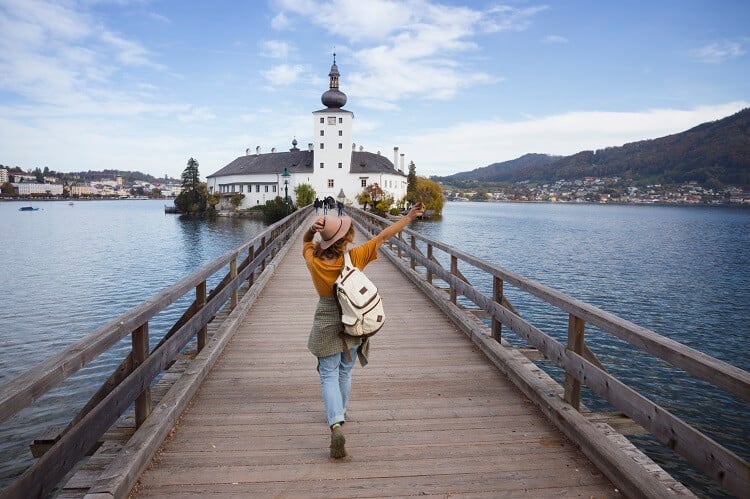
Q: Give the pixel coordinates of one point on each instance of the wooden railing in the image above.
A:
(131, 381)
(412, 250)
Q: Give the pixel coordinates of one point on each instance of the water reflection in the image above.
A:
(73, 269)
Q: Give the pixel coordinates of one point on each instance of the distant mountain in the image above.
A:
(715, 154)
(489, 173)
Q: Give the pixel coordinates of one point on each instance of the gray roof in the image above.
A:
(301, 162)
(274, 162)
(368, 162)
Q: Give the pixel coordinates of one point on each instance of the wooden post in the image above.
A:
(250, 258)
(413, 252)
(400, 238)
(497, 295)
(262, 248)
(575, 344)
(140, 353)
(200, 302)
(429, 259)
(233, 275)
(454, 271)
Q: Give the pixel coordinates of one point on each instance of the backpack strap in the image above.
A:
(348, 260)
(347, 263)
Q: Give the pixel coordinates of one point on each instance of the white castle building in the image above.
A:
(332, 165)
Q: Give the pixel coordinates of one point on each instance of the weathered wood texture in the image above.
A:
(580, 365)
(429, 415)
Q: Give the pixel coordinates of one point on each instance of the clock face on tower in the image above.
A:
(331, 120)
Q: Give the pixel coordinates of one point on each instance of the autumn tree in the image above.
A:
(236, 200)
(430, 193)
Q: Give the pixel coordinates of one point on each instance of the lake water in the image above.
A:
(680, 271)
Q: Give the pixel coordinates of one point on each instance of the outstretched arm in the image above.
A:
(416, 211)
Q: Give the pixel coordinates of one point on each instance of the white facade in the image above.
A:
(332, 129)
(28, 188)
(331, 164)
(257, 188)
(3, 175)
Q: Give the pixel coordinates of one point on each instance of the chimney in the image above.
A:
(273, 149)
(310, 146)
(402, 163)
(361, 148)
(354, 146)
(395, 156)
(257, 150)
(247, 151)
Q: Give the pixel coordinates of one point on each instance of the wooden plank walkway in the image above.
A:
(429, 416)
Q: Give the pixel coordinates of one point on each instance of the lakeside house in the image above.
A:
(333, 165)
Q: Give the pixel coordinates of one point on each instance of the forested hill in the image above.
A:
(715, 154)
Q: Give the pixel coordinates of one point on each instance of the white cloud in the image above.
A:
(276, 49)
(283, 74)
(52, 54)
(354, 19)
(471, 145)
(718, 52)
(280, 21)
(507, 18)
(128, 52)
(410, 48)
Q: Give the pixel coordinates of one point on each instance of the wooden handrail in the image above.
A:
(133, 377)
(580, 366)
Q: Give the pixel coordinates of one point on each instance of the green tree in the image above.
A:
(7, 189)
(479, 195)
(275, 210)
(155, 193)
(305, 194)
(236, 200)
(190, 199)
(411, 182)
(430, 193)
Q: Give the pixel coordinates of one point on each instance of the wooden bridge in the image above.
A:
(446, 406)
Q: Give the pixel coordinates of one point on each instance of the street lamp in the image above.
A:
(286, 176)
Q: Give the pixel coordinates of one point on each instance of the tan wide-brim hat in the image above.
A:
(334, 229)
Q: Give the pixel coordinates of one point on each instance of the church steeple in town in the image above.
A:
(333, 97)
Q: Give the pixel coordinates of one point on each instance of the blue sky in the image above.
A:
(456, 85)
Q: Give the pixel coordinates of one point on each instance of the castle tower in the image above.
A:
(332, 133)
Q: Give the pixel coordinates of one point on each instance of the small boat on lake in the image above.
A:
(27, 208)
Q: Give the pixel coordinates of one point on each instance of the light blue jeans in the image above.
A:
(336, 383)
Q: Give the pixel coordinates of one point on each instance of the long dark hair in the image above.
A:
(336, 249)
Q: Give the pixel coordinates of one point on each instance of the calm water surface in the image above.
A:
(680, 271)
(70, 269)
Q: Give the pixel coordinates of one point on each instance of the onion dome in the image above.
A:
(334, 97)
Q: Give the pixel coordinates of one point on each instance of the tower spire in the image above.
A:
(334, 98)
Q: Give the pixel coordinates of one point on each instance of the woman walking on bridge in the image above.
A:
(337, 352)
